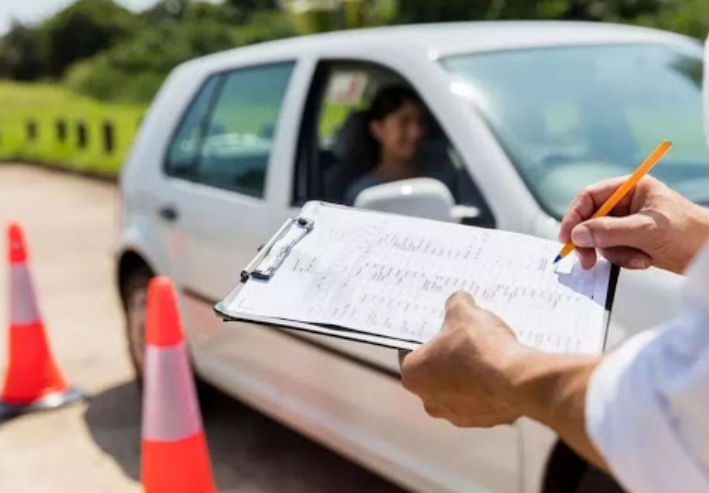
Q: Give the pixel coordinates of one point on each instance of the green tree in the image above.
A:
(457, 10)
(20, 55)
(265, 25)
(190, 10)
(134, 69)
(311, 16)
(165, 10)
(243, 9)
(414, 11)
(84, 29)
(689, 17)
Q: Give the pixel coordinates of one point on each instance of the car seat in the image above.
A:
(355, 154)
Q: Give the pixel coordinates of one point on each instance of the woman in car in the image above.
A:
(395, 122)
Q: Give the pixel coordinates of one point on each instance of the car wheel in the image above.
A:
(568, 472)
(135, 296)
(596, 481)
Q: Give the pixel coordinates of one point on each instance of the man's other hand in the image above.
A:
(652, 226)
(462, 375)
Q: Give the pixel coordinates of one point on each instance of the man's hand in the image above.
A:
(475, 373)
(652, 225)
(461, 375)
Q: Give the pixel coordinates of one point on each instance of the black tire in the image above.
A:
(134, 293)
(596, 481)
(567, 472)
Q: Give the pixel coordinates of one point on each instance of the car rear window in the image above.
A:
(226, 136)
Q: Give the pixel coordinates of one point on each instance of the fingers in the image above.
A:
(580, 209)
(403, 353)
(433, 411)
(458, 306)
(413, 368)
(479, 421)
(620, 240)
(459, 298)
(464, 421)
(626, 257)
(587, 202)
(407, 359)
(587, 257)
(606, 232)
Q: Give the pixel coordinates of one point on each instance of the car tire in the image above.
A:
(568, 472)
(134, 292)
(594, 480)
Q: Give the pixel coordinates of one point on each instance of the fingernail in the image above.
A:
(581, 236)
(638, 263)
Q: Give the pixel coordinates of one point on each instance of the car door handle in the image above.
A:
(169, 213)
(465, 212)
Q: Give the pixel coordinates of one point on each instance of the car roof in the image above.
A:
(445, 39)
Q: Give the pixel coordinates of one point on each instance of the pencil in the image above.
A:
(623, 190)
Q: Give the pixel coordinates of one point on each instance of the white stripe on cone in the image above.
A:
(23, 304)
(170, 409)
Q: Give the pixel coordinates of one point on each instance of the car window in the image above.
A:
(183, 153)
(238, 136)
(347, 92)
(226, 135)
(336, 149)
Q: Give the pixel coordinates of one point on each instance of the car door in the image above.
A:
(338, 98)
(332, 137)
(219, 165)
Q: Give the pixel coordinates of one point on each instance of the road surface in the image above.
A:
(71, 226)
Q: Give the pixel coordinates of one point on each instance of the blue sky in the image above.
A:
(33, 11)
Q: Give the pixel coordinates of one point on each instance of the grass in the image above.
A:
(46, 105)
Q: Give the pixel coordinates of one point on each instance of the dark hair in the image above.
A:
(390, 99)
(362, 154)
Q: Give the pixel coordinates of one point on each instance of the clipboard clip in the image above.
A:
(272, 254)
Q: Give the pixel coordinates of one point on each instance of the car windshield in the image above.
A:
(570, 116)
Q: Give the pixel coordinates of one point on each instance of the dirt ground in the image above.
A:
(71, 226)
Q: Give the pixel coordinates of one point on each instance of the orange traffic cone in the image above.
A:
(33, 381)
(175, 457)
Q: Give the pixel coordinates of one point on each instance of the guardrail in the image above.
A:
(93, 144)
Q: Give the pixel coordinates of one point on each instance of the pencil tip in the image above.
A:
(558, 257)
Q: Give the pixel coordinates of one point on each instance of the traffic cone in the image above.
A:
(175, 457)
(33, 381)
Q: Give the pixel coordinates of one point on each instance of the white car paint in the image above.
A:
(341, 394)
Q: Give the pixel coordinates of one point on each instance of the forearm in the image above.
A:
(551, 389)
(700, 216)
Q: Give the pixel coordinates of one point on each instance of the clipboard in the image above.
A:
(266, 263)
(271, 256)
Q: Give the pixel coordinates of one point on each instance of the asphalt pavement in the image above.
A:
(71, 227)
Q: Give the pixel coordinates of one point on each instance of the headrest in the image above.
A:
(351, 135)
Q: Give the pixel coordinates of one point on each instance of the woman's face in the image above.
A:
(400, 132)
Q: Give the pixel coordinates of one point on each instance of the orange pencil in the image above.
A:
(623, 190)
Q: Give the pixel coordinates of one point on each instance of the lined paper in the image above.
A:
(391, 275)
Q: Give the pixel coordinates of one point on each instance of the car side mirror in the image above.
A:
(418, 197)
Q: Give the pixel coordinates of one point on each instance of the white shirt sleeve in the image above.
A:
(647, 405)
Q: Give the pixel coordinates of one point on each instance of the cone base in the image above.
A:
(50, 401)
(180, 466)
